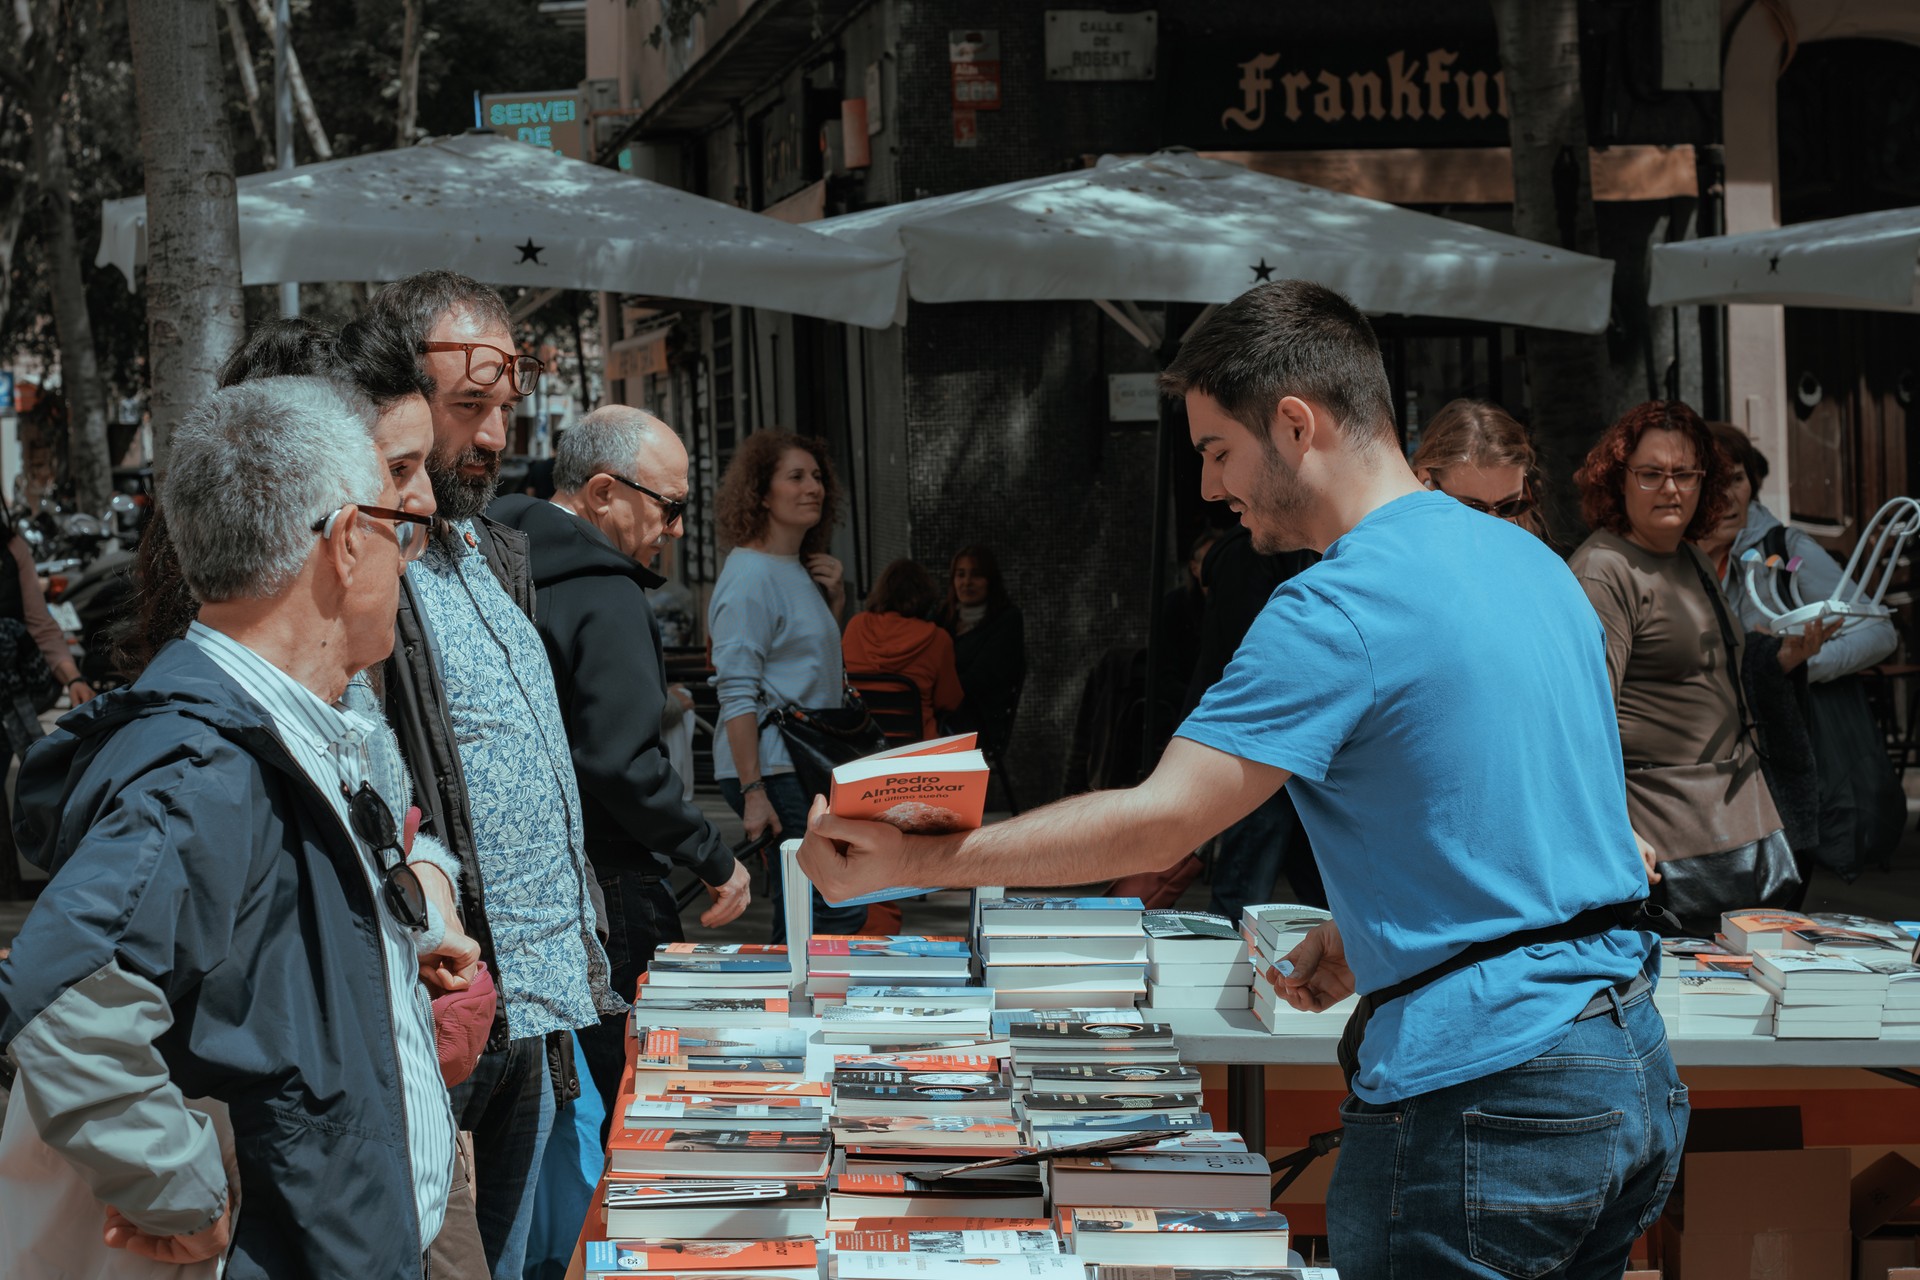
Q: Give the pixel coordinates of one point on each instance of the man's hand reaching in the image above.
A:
(729, 899)
(1320, 977)
(451, 965)
(845, 858)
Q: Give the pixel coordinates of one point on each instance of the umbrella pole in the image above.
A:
(1157, 568)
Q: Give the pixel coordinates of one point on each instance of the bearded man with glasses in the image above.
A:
(223, 923)
(470, 693)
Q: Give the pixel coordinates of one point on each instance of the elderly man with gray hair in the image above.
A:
(621, 492)
(230, 918)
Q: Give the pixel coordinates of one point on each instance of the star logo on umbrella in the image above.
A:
(530, 252)
(1773, 265)
(1263, 271)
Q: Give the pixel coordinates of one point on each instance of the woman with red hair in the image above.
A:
(1655, 482)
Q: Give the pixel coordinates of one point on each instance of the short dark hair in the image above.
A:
(905, 588)
(375, 357)
(1741, 448)
(292, 347)
(411, 307)
(1289, 338)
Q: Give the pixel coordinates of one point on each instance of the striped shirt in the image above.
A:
(330, 745)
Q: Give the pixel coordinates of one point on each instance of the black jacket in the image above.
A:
(1239, 583)
(991, 660)
(416, 703)
(610, 673)
(189, 848)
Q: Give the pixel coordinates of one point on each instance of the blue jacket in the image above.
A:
(208, 915)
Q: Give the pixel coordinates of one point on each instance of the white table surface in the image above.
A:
(1235, 1036)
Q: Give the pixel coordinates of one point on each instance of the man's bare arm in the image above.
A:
(1194, 794)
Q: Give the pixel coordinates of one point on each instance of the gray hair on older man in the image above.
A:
(251, 469)
(608, 439)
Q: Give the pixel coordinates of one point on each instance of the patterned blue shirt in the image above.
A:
(520, 788)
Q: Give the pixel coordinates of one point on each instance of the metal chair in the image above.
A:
(894, 703)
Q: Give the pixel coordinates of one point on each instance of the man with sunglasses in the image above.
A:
(621, 490)
(230, 918)
(470, 693)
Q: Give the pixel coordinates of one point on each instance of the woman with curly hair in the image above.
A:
(774, 622)
(1655, 482)
(1474, 451)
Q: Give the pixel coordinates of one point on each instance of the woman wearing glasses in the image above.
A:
(1473, 450)
(1674, 651)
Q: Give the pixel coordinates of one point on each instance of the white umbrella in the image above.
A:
(1865, 262)
(1179, 228)
(512, 214)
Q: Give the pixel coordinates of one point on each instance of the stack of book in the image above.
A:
(1821, 995)
(1199, 1238)
(838, 963)
(704, 1259)
(1162, 1180)
(1042, 952)
(1083, 1079)
(1714, 1002)
(704, 984)
(1683, 955)
(1195, 960)
(878, 1016)
(1271, 931)
(1900, 1016)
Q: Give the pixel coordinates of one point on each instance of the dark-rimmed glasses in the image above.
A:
(1511, 509)
(1652, 478)
(410, 528)
(486, 370)
(670, 508)
(400, 885)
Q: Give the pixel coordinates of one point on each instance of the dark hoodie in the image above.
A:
(196, 867)
(604, 644)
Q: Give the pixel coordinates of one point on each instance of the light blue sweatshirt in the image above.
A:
(775, 644)
(1859, 644)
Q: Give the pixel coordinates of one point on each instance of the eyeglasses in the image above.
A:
(1511, 509)
(671, 508)
(1652, 478)
(485, 369)
(400, 885)
(410, 528)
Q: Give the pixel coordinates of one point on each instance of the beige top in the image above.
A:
(1672, 685)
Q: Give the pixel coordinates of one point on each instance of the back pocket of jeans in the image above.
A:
(1535, 1187)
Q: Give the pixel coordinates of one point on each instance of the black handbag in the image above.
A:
(819, 738)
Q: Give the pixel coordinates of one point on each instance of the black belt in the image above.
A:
(1638, 914)
(1607, 999)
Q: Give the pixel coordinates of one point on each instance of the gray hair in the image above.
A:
(608, 439)
(252, 467)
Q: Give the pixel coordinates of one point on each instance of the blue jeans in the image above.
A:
(790, 804)
(507, 1103)
(1551, 1169)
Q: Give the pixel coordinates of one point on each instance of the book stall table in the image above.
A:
(1286, 1088)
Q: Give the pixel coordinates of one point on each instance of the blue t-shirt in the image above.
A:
(1437, 687)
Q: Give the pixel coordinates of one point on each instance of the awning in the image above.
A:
(1865, 262)
(1175, 227)
(508, 213)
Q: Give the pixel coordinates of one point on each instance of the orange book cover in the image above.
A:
(926, 788)
(672, 1256)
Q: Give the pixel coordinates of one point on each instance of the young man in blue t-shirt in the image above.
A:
(1434, 695)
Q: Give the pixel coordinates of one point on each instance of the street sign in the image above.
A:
(1091, 44)
(1133, 397)
(556, 121)
(974, 57)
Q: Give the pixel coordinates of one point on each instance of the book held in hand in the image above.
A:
(925, 788)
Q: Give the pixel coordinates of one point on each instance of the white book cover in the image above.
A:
(1809, 970)
(936, 1266)
(1161, 998)
(1221, 973)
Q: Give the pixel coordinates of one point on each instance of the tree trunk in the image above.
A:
(195, 315)
(249, 81)
(302, 100)
(13, 216)
(88, 465)
(1553, 203)
(410, 71)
